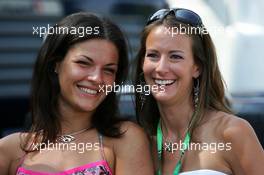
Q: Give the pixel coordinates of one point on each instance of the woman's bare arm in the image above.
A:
(246, 148)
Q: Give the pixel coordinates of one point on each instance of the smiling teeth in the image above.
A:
(164, 82)
(88, 91)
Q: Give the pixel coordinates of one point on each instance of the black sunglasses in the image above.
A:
(181, 14)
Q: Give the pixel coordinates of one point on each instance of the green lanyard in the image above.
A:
(159, 147)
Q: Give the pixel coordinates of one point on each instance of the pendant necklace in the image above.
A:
(67, 138)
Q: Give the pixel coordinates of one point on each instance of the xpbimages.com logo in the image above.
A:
(191, 30)
(145, 89)
(78, 147)
(211, 147)
(81, 31)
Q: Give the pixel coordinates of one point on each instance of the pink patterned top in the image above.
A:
(96, 168)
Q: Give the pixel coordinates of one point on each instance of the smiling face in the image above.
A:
(169, 61)
(86, 67)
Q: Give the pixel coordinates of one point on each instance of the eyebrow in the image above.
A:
(177, 51)
(88, 58)
(171, 51)
(111, 64)
(151, 50)
(91, 60)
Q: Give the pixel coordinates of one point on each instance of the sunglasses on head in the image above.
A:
(181, 14)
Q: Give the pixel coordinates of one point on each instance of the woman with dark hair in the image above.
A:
(186, 116)
(75, 125)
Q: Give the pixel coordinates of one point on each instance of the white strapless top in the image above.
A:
(202, 172)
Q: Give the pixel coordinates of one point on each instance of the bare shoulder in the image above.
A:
(133, 136)
(10, 150)
(131, 129)
(242, 136)
(232, 129)
(132, 133)
(235, 127)
(11, 144)
(229, 126)
(246, 153)
(132, 151)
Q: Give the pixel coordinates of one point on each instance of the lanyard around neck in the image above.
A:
(159, 147)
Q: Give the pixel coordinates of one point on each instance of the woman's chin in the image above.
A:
(88, 106)
(162, 97)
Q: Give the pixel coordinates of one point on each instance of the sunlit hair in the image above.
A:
(211, 95)
(45, 86)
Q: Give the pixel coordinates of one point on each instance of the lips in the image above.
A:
(164, 82)
(88, 90)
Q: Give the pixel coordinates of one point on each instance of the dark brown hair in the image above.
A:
(211, 94)
(45, 85)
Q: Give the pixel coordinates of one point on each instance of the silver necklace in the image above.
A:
(67, 138)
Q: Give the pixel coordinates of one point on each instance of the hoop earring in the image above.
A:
(196, 92)
(142, 96)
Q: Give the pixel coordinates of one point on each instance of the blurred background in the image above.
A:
(236, 27)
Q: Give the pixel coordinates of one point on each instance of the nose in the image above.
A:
(96, 76)
(163, 66)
